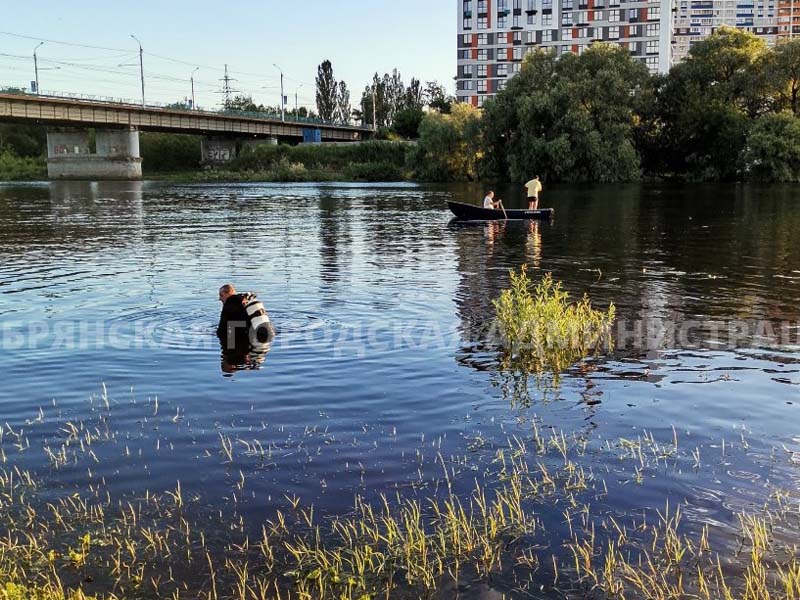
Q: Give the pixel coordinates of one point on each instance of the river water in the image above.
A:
(108, 298)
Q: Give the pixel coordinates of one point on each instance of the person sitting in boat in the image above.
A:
(489, 201)
(243, 321)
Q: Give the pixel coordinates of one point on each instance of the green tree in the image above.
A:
(449, 145)
(782, 75)
(343, 108)
(569, 119)
(407, 122)
(772, 152)
(437, 97)
(327, 92)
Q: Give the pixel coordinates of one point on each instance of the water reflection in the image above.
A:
(243, 357)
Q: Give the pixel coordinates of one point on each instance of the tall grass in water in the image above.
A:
(542, 332)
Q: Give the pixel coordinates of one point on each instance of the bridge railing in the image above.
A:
(179, 106)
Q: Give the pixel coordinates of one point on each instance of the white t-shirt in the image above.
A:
(534, 187)
(488, 202)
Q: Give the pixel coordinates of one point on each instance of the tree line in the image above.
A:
(727, 112)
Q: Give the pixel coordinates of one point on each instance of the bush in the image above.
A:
(772, 152)
(17, 168)
(407, 122)
(542, 332)
(164, 152)
(382, 171)
(331, 157)
(448, 148)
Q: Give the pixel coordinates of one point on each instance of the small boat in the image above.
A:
(470, 212)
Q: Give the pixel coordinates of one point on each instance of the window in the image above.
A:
(613, 33)
(466, 84)
(633, 14)
(566, 34)
(518, 53)
(652, 63)
(566, 4)
(468, 71)
(482, 23)
(530, 37)
(547, 4)
(531, 4)
(483, 39)
(598, 15)
(481, 100)
(502, 38)
(483, 54)
(482, 86)
(467, 23)
(502, 54)
(467, 6)
(547, 35)
(501, 85)
(654, 13)
(613, 15)
(502, 21)
(515, 67)
(517, 37)
(599, 3)
(502, 70)
(632, 47)
(583, 17)
(633, 31)
(482, 70)
(566, 19)
(516, 21)
(653, 29)
(464, 54)
(482, 6)
(547, 20)
(467, 39)
(532, 19)
(652, 47)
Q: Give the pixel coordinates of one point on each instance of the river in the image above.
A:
(108, 304)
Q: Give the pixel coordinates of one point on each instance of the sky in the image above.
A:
(359, 37)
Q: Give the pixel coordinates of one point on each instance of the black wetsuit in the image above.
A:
(236, 322)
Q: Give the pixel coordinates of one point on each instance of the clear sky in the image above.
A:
(360, 37)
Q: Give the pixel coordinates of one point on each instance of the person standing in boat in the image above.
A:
(489, 201)
(533, 188)
(243, 321)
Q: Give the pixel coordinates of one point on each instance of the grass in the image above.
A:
(542, 332)
(17, 168)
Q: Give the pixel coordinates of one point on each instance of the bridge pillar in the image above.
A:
(69, 154)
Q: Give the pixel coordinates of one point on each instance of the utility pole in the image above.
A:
(192, 80)
(36, 66)
(374, 108)
(141, 65)
(296, 105)
(283, 98)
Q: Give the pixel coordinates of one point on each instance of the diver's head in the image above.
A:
(226, 291)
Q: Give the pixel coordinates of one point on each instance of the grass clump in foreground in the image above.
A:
(542, 332)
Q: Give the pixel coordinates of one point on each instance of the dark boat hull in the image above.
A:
(469, 212)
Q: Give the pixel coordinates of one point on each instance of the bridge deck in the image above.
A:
(67, 112)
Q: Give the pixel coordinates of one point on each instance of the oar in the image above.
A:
(505, 214)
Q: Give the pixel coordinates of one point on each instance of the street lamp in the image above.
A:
(296, 105)
(36, 65)
(283, 99)
(192, 80)
(141, 66)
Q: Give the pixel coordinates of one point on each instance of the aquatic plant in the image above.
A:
(542, 332)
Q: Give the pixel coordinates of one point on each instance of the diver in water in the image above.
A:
(244, 321)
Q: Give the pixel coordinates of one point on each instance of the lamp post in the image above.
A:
(141, 65)
(283, 98)
(36, 66)
(296, 105)
(192, 80)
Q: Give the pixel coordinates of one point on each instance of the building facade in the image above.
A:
(495, 35)
(696, 19)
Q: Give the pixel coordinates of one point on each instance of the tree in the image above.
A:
(772, 151)
(414, 96)
(407, 122)
(781, 68)
(343, 108)
(437, 97)
(327, 92)
(449, 145)
(243, 103)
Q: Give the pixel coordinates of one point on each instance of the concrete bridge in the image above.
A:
(117, 126)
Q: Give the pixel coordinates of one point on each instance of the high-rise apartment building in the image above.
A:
(495, 35)
(696, 19)
(788, 19)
